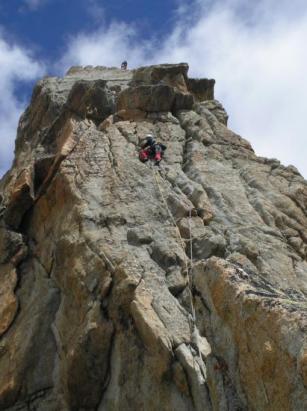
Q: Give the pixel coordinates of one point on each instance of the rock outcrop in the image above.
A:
(101, 306)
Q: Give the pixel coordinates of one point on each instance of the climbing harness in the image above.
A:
(188, 266)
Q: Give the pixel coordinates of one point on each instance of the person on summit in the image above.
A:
(150, 150)
(124, 65)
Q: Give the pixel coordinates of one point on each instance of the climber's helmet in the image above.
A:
(150, 139)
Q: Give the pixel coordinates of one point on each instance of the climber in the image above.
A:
(151, 150)
(124, 65)
(146, 148)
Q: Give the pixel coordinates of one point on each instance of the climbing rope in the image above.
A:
(188, 265)
(191, 264)
(188, 262)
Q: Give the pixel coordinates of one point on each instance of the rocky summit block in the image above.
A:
(175, 75)
(91, 99)
(128, 287)
(164, 88)
(160, 97)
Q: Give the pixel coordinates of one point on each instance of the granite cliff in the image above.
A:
(101, 306)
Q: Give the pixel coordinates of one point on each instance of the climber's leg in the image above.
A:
(157, 158)
(144, 155)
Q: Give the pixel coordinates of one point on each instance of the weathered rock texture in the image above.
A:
(95, 307)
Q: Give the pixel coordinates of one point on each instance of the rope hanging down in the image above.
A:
(188, 262)
(188, 265)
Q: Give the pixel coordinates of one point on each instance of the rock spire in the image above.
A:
(98, 290)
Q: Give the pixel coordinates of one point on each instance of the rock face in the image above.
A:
(98, 288)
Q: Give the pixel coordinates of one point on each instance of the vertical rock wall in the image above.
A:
(95, 297)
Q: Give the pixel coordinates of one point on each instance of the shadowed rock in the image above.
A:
(91, 99)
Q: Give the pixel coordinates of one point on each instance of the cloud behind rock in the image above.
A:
(255, 52)
(17, 66)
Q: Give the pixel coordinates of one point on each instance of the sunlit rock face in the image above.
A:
(98, 287)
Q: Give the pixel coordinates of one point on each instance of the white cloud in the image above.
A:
(255, 50)
(33, 4)
(17, 65)
(260, 66)
(106, 46)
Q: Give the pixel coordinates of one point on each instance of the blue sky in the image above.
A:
(45, 25)
(255, 51)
